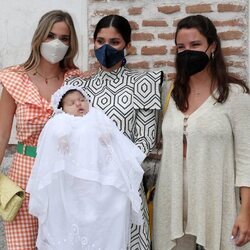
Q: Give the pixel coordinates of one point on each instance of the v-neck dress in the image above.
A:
(32, 112)
(217, 164)
(132, 100)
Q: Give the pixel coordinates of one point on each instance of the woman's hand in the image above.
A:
(7, 111)
(89, 73)
(241, 228)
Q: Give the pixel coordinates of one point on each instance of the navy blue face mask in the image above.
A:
(109, 56)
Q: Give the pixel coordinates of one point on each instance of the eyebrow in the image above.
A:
(111, 39)
(64, 36)
(192, 42)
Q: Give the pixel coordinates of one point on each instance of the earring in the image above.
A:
(212, 55)
(124, 61)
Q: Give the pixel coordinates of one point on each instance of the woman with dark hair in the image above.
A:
(203, 189)
(128, 97)
(27, 89)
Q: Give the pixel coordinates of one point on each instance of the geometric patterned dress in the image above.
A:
(132, 100)
(32, 112)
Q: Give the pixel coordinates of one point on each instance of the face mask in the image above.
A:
(109, 56)
(53, 51)
(192, 61)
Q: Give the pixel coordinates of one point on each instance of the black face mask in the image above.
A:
(192, 61)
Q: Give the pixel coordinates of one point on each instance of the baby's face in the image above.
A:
(76, 104)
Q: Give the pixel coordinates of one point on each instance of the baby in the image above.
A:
(85, 180)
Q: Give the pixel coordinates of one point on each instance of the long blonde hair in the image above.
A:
(44, 27)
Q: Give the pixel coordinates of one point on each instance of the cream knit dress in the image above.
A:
(218, 162)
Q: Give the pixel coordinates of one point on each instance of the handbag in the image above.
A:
(11, 198)
(150, 193)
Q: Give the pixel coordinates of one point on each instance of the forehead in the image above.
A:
(189, 35)
(59, 28)
(108, 33)
(73, 94)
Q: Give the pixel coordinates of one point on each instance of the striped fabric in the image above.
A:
(32, 113)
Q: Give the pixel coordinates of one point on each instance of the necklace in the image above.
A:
(46, 79)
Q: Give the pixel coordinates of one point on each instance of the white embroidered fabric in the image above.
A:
(84, 184)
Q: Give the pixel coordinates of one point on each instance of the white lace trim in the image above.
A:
(57, 96)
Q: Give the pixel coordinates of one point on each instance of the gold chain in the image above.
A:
(46, 78)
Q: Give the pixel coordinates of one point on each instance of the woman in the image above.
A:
(206, 153)
(131, 99)
(27, 89)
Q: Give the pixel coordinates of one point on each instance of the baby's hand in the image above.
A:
(63, 145)
(105, 139)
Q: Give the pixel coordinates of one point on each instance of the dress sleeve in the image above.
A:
(147, 102)
(147, 87)
(240, 120)
(146, 129)
(14, 81)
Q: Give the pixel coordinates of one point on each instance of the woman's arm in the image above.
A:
(146, 129)
(240, 120)
(7, 111)
(241, 229)
(147, 104)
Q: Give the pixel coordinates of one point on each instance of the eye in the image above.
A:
(65, 39)
(71, 103)
(115, 42)
(194, 45)
(51, 36)
(180, 47)
(99, 41)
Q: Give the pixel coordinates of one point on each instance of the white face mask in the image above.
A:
(53, 51)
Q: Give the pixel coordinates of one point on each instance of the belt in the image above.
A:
(26, 150)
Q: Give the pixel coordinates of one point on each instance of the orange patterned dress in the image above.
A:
(32, 112)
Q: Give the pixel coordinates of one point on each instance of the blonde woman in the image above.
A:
(27, 89)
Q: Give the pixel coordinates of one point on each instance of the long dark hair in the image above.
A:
(218, 69)
(120, 23)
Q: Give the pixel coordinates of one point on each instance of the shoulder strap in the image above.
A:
(167, 99)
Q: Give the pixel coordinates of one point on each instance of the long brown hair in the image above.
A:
(217, 65)
(44, 27)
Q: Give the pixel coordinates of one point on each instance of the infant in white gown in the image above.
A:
(85, 180)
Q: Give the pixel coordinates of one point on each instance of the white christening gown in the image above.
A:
(84, 184)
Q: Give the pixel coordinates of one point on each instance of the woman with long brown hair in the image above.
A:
(205, 167)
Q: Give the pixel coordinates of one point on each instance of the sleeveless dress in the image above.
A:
(132, 100)
(32, 112)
